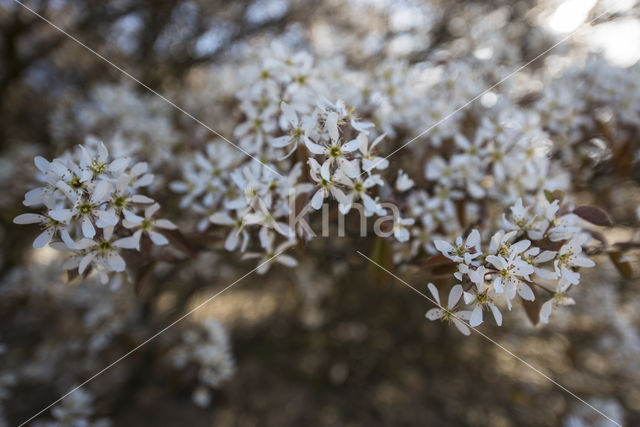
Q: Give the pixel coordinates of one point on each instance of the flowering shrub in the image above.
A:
(485, 195)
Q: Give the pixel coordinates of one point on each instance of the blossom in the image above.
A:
(149, 226)
(481, 297)
(238, 233)
(511, 272)
(356, 189)
(450, 314)
(369, 160)
(403, 182)
(559, 298)
(400, 230)
(335, 151)
(102, 253)
(570, 255)
(465, 250)
(325, 186)
(272, 255)
(535, 256)
(298, 129)
(50, 227)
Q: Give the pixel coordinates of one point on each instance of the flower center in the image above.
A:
(104, 246)
(98, 167)
(119, 202)
(85, 208)
(335, 151)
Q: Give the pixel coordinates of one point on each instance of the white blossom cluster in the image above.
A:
(207, 346)
(594, 98)
(515, 262)
(74, 410)
(309, 148)
(93, 209)
(130, 121)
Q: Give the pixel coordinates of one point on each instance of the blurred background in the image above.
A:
(300, 348)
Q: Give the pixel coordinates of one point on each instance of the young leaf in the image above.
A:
(179, 241)
(623, 267)
(435, 261)
(532, 308)
(554, 195)
(594, 215)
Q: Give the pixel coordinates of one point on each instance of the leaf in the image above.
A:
(623, 267)
(548, 245)
(532, 308)
(594, 215)
(439, 266)
(435, 261)
(383, 255)
(179, 241)
(143, 278)
(72, 276)
(554, 195)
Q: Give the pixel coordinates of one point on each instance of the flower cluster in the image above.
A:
(307, 151)
(75, 410)
(207, 346)
(93, 208)
(513, 266)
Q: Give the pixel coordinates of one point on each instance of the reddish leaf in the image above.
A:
(624, 267)
(143, 278)
(548, 245)
(594, 215)
(72, 275)
(532, 308)
(178, 240)
(554, 195)
(435, 261)
(439, 266)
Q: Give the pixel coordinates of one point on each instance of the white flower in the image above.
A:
(357, 190)
(335, 151)
(534, 257)
(237, 233)
(50, 226)
(400, 231)
(510, 273)
(369, 160)
(273, 255)
(403, 183)
(149, 225)
(480, 296)
(325, 186)
(450, 313)
(559, 298)
(564, 227)
(268, 220)
(520, 218)
(102, 253)
(298, 129)
(88, 210)
(570, 255)
(462, 251)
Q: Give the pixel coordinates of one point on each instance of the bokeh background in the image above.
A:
(341, 348)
